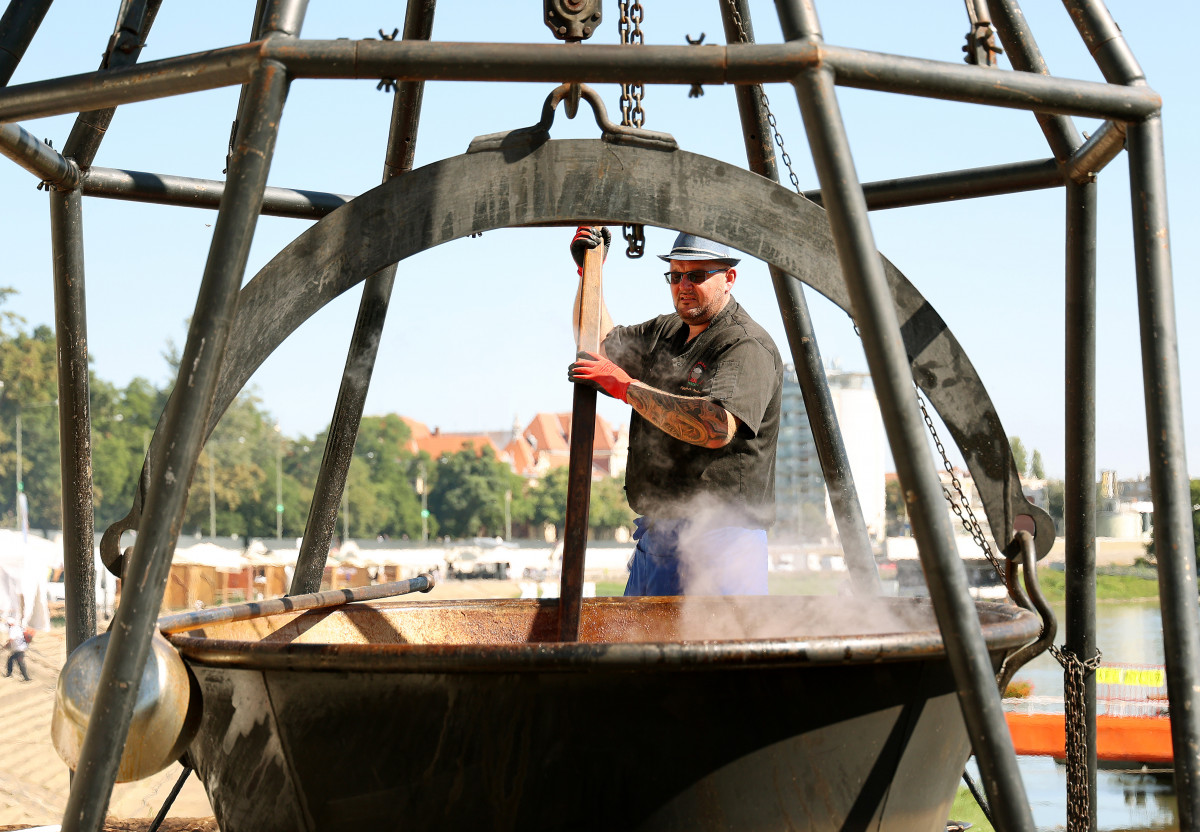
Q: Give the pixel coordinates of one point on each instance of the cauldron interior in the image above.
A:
(669, 714)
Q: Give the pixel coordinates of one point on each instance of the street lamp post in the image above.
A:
(424, 502)
(278, 482)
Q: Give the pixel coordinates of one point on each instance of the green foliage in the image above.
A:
(1019, 456)
(468, 493)
(965, 808)
(894, 509)
(1194, 488)
(1108, 587)
(247, 466)
(1037, 469)
(1056, 500)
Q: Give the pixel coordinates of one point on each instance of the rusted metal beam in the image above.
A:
(364, 341)
(17, 27)
(876, 315)
(37, 157)
(171, 467)
(417, 60)
(164, 189)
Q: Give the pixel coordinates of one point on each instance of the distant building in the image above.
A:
(802, 505)
(435, 442)
(546, 443)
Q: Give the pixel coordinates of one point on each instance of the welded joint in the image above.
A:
(52, 169)
(1094, 155)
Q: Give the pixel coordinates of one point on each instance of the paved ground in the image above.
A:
(34, 782)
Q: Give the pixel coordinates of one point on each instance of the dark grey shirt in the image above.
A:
(734, 363)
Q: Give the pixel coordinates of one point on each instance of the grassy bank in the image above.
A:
(965, 808)
(1108, 587)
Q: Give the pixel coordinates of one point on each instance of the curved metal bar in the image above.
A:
(579, 181)
(1032, 599)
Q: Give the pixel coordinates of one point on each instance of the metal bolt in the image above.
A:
(587, 30)
(562, 30)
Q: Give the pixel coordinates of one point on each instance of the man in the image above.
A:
(17, 645)
(705, 386)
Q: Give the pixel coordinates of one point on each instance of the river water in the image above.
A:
(1126, 633)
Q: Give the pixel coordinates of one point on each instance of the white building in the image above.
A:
(802, 502)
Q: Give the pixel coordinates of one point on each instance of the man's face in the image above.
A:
(699, 303)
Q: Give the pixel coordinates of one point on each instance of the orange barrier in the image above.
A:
(1126, 738)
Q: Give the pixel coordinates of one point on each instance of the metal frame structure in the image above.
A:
(276, 56)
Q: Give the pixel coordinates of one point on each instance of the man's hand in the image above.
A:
(594, 371)
(587, 237)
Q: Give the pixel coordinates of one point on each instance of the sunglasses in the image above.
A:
(695, 278)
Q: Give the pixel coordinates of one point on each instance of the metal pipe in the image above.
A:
(74, 415)
(1173, 539)
(418, 60)
(172, 467)
(1094, 155)
(191, 619)
(37, 157)
(734, 64)
(867, 287)
(1105, 41)
(124, 48)
(1079, 511)
(164, 189)
(142, 82)
(1025, 56)
(364, 342)
(802, 338)
(980, 85)
(957, 184)
(17, 27)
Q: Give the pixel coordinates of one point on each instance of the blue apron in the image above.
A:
(674, 557)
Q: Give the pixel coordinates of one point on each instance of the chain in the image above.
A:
(962, 506)
(766, 103)
(630, 27)
(633, 114)
(1078, 792)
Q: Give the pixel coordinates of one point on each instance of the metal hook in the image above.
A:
(539, 133)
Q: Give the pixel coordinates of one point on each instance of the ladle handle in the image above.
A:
(579, 468)
(289, 603)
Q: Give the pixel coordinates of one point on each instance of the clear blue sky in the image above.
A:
(479, 329)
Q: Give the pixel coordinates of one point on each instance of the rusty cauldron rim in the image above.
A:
(1005, 627)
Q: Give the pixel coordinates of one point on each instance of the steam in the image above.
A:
(716, 558)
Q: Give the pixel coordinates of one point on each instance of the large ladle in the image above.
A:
(583, 434)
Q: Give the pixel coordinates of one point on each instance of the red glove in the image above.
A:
(587, 237)
(600, 373)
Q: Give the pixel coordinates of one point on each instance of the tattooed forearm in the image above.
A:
(690, 419)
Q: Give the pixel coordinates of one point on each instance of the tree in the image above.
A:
(895, 511)
(1195, 495)
(467, 497)
(1018, 452)
(1036, 469)
(30, 394)
(608, 509)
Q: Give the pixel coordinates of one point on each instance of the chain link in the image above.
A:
(1074, 687)
(962, 506)
(766, 103)
(633, 114)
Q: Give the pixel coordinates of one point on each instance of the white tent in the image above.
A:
(25, 564)
(210, 554)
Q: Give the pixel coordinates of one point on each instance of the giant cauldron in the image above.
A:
(669, 713)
